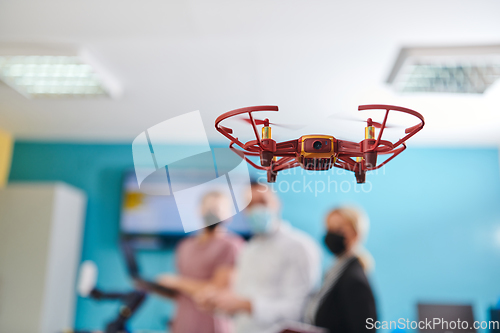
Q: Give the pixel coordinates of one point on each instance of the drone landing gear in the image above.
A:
(271, 176)
(266, 158)
(360, 176)
(359, 172)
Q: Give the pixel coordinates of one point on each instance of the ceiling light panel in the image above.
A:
(51, 76)
(466, 70)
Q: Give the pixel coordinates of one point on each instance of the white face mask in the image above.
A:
(261, 220)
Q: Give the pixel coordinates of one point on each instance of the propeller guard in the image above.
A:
(284, 155)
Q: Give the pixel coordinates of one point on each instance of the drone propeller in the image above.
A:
(373, 123)
(266, 122)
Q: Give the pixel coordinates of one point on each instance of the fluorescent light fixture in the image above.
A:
(52, 74)
(468, 70)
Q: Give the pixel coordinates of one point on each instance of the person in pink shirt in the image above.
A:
(205, 260)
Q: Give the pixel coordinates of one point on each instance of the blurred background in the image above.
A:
(82, 79)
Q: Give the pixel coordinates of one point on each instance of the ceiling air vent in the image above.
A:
(466, 70)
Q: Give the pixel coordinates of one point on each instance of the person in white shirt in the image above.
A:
(275, 273)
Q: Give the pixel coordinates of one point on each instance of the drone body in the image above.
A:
(318, 152)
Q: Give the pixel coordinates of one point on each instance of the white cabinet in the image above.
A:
(41, 226)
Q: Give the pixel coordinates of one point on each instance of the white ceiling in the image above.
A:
(311, 58)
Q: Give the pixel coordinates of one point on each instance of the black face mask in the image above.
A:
(212, 226)
(335, 243)
(211, 221)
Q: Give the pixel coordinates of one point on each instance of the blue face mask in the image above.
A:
(260, 220)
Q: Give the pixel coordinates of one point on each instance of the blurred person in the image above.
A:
(276, 271)
(206, 259)
(345, 299)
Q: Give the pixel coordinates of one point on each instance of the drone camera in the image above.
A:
(317, 145)
(317, 152)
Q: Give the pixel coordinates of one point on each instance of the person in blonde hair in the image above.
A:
(345, 301)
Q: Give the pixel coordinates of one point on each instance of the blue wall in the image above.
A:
(435, 223)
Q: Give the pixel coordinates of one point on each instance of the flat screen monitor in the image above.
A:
(157, 215)
(448, 318)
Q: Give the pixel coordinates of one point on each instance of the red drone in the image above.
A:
(318, 152)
